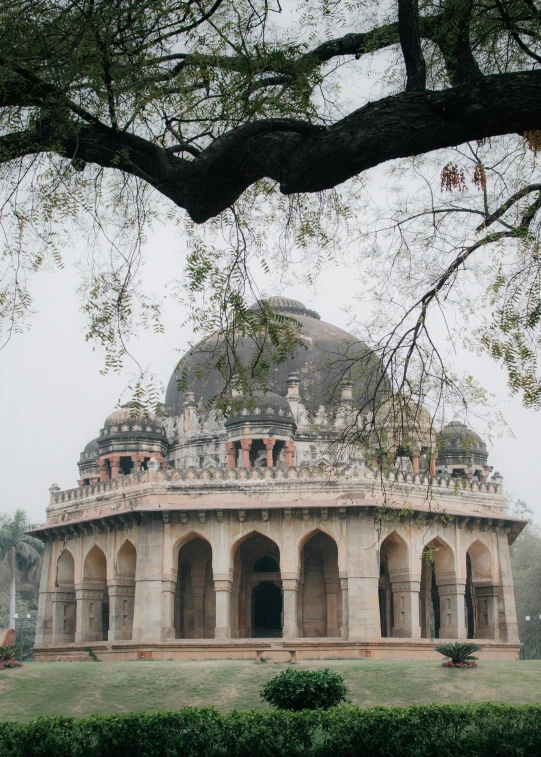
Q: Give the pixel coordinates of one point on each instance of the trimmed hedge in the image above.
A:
(476, 730)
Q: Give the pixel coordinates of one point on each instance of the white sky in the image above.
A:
(55, 400)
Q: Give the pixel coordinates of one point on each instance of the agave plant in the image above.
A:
(460, 653)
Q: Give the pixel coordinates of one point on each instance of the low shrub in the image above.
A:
(305, 690)
(7, 657)
(460, 654)
(485, 730)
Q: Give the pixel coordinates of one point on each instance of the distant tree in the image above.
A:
(526, 562)
(23, 551)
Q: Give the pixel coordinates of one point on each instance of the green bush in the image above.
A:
(485, 730)
(460, 653)
(305, 690)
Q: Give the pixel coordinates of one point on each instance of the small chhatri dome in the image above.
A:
(261, 415)
(459, 445)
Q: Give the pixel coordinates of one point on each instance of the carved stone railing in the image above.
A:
(293, 473)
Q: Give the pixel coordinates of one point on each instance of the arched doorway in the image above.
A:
(257, 584)
(481, 594)
(195, 598)
(94, 605)
(267, 610)
(320, 601)
(64, 602)
(440, 613)
(394, 569)
(122, 593)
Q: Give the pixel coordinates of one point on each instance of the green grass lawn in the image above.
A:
(79, 688)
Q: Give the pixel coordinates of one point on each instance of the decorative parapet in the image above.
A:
(304, 473)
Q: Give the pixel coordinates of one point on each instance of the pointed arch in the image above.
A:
(320, 596)
(65, 569)
(195, 597)
(254, 531)
(481, 562)
(481, 594)
(126, 560)
(95, 565)
(187, 537)
(95, 603)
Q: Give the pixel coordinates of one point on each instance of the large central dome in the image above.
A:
(330, 354)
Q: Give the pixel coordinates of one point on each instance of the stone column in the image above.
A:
(345, 611)
(269, 444)
(147, 613)
(115, 462)
(199, 611)
(136, 462)
(363, 578)
(231, 449)
(235, 591)
(432, 466)
(103, 465)
(121, 602)
(332, 609)
(290, 450)
(89, 615)
(44, 624)
(222, 587)
(289, 590)
(452, 619)
(64, 612)
(508, 628)
(486, 611)
(245, 446)
(415, 461)
(406, 609)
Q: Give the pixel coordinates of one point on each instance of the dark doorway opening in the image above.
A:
(267, 604)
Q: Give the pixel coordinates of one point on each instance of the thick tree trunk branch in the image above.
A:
(303, 157)
(410, 41)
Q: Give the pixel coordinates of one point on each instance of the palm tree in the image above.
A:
(24, 551)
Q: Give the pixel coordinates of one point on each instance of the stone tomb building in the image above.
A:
(194, 537)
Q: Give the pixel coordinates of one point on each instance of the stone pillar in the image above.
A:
(121, 602)
(89, 615)
(290, 450)
(231, 449)
(44, 623)
(508, 628)
(199, 611)
(345, 611)
(136, 462)
(332, 609)
(289, 591)
(103, 465)
(147, 613)
(115, 462)
(235, 591)
(406, 609)
(64, 612)
(245, 446)
(433, 466)
(415, 461)
(452, 618)
(363, 578)
(269, 444)
(486, 612)
(222, 587)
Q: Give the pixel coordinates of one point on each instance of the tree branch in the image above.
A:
(410, 41)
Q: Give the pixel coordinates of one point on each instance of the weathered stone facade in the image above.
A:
(191, 536)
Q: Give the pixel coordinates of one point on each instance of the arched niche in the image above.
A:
(65, 571)
(94, 603)
(64, 602)
(393, 568)
(437, 570)
(195, 598)
(481, 596)
(320, 596)
(256, 585)
(126, 561)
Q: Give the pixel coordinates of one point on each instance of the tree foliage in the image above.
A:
(264, 121)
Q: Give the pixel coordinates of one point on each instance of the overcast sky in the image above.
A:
(55, 400)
